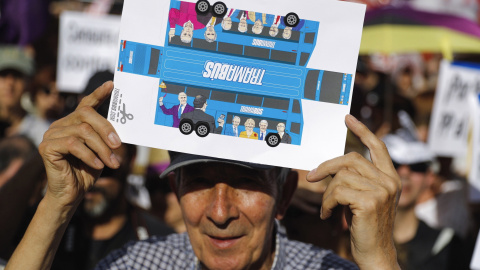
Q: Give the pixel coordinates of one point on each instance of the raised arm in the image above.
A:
(370, 190)
(74, 151)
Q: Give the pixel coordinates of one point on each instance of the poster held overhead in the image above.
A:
(245, 66)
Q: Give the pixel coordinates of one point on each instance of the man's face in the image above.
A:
(242, 25)
(182, 97)
(187, 32)
(273, 30)
(249, 125)
(263, 127)
(257, 27)
(236, 122)
(227, 23)
(103, 197)
(280, 127)
(210, 33)
(12, 85)
(413, 184)
(287, 32)
(229, 213)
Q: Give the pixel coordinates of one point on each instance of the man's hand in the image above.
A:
(171, 34)
(371, 191)
(76, 148)
(160, 101)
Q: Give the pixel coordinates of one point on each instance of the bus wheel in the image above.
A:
(202, 129)
(291, 19)
(272, 139)
(219, 9)
(186, 126)
(202, 7)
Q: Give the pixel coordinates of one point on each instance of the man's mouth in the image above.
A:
(224, 242)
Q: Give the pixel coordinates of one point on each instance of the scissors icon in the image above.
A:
(125, 115)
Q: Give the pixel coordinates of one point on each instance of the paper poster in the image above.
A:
(260, 81)
(475, 262)
(451, 111)
(87, 44)
(474, 171)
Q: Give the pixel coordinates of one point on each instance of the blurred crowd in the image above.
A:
(435, 228)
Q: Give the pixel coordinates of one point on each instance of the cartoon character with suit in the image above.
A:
(234, 130)
(285, 138)
(177, 110)
(185, 17)
(249, 133)
(199, 114)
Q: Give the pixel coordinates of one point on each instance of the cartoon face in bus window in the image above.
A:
(257, 27)
(242, 25)
(182, 97)
(287, 32)
(249, 125)
(236, 121)
(227, 23)
(273, 30)
(281, 128)
(210, 34)
(187, 32)
(263, 125)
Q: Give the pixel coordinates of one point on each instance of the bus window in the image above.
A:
(311, 84)
(223, 96)
(309, 38)
(282, 56)
(295, 37)
(230, 48)
(304, 58)
(331, 86)
(173, 88)
(257, 52)
(139, 56)
(295, 128)
(296, 106)
(193, 92)
(249, 100)
(276, 103)
(204, 45)
(176, 41)
(154, 57)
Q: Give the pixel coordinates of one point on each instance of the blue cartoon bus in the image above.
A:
(254, 75)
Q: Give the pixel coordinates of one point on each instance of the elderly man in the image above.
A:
(185, 17)
(263, 129)
(229, 207)
(177, 110)
(234, 129)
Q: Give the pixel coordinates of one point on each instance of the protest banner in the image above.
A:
(474, 155)
(451, 113)
(87, 43)
(265, 82)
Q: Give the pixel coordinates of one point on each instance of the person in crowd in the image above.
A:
(249, 133)
(229, 207)
(234, 129)
(16, 66)
(49, 103)
(418, 245)
(176, 111)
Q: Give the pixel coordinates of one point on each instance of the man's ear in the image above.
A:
(287, 194)
(173, 183)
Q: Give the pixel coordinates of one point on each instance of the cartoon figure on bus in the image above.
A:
(285, 138)
(234, 129)
(185, 17)
(263, 129)
(177, 110)
(198, 118)
(249, 133)
(247, 72)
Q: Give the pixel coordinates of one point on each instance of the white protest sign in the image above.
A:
(249, 83)
(474, 172)
(87, 44)
(451, 111)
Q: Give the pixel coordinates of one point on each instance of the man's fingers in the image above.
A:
(87, 135)
(98, 96)
(378, 150)
(351, 161)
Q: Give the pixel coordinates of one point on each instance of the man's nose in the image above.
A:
(222, 209)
